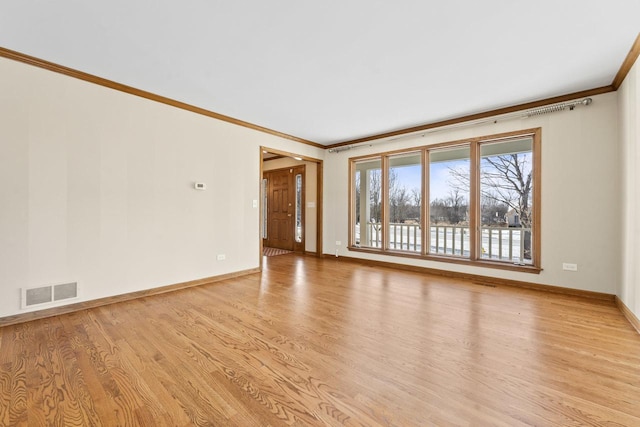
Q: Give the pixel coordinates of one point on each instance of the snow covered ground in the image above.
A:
(499, 243)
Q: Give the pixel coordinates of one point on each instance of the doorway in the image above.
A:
(283, 225)
(291, 202)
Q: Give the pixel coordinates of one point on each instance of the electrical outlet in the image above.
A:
(569, 267)
(338, 243)
(221, 257)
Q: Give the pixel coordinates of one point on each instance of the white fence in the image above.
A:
(499, 243)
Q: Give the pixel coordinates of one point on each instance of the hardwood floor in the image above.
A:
(327, 342)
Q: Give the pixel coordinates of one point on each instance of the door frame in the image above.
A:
(291, 172)
(319, 197)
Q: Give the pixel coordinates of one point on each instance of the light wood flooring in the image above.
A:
(313, 342)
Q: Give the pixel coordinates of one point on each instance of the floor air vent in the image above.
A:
(49, 294)
(490, 285)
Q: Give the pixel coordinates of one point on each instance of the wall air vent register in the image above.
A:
(51, 295)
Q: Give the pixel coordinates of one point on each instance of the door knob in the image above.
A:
(288, 214)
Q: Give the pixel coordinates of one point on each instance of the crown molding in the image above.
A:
(629, 61)
(41, 63)
(478, 116)
(627, 64)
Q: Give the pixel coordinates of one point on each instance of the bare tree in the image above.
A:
(508, 179)
(414, 211)
(403, 203)
(438, 211)
(375, 195)
(505, 179)
(457, 206)
(493, 212)
(451, 210)
(416, 194)
(399, 202)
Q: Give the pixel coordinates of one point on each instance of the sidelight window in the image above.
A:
(299, 207)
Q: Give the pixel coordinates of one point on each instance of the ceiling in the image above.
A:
(332, 71)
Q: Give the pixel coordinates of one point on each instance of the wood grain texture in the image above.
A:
(631, 317)
(41, 63)
(475, 278)
(69, 308)
(315, 342)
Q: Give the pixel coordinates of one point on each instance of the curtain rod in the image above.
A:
(553, 108)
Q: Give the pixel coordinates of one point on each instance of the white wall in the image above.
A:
(310, 193)
(629, 106)
(96, 187)
(580, 196)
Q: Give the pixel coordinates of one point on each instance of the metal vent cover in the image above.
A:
(37, 296)
(49, 294)
(65, 291)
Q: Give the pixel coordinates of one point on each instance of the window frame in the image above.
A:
(386, 226)
(475, 257)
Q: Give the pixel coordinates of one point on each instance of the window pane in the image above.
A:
(449, 174)
(368, 204)
(405, 193)
(264, 208)
(299, 207)
(506, 200)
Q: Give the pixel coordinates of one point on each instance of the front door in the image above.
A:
(280, 209)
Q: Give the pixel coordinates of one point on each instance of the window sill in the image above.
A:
(452, 260)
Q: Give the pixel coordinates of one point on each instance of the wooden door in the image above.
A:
(280, 209)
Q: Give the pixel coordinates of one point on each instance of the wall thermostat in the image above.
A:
(200, 186)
